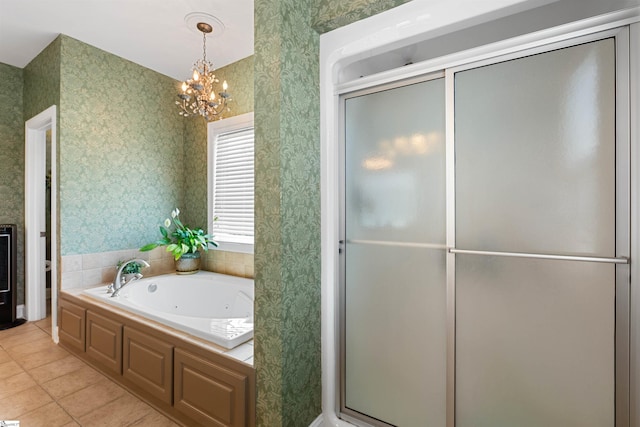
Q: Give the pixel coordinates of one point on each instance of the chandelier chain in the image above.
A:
(204, 46)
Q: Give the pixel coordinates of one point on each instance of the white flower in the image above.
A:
(167, 222)
(175, 213)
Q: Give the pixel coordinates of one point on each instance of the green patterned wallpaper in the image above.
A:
(121, 151)
(331, 14)
(193, 210)
(239, 75)
(287, 333)
(121, 159)
(12, 160)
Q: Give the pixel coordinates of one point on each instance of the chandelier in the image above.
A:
(200, 94)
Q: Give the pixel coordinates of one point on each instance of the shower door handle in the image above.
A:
(618, 260)
(43, 234)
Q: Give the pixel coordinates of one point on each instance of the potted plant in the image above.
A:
(183, 242)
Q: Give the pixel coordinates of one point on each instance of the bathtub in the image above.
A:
(216, 307)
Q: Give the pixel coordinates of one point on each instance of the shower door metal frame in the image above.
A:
(623, 160)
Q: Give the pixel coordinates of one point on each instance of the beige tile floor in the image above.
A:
(43, 385)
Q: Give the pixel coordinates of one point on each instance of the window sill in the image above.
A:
(244, 248)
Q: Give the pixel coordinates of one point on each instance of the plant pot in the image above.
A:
(188, 263)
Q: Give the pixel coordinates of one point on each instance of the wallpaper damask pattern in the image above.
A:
(12, 161)
(332, 14)
(287, 259)
(239, 75)
(193, 210)
(268, 351)
(287, 334)
(121, 151)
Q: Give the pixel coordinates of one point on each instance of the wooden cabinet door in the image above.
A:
(209, 393)
(104, 341)
(72, 324)
(148, 363)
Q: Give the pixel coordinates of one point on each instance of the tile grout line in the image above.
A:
(46, 391)
(37, 385)
(25, 371)
(53, 399)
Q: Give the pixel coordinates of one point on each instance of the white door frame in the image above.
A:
(35, 241)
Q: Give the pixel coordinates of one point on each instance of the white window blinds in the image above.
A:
(233, 186)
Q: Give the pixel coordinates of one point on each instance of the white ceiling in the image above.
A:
(152, 33)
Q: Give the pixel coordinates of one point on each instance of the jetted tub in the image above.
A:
(213, 306)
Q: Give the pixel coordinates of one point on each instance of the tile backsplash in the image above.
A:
(232, 263)
(79, 271)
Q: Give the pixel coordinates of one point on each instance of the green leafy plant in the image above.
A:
(131, 268)
(182, 240)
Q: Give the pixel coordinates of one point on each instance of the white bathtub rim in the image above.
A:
(231, 331)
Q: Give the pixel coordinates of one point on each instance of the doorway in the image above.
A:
(41, 218)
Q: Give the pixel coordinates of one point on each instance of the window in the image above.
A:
(231, 187)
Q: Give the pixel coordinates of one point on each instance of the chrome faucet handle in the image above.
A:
(136, 276)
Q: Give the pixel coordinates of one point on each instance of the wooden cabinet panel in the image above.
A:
(211, 394)
(72, 323)
(148, 363)
(192, 385)
(104, 341)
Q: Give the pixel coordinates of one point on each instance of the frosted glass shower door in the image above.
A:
(394, 283)
(535, 154)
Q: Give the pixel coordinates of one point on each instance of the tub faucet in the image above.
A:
(117, 282)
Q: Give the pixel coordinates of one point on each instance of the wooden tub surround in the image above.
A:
(185, 377)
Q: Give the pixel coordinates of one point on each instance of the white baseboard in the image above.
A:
(317, 422)
(20, 311)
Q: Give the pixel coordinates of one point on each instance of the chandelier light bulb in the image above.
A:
(184, 87)
(224, 85)
(196, 76)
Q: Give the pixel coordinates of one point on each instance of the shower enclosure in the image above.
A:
(484, 276)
